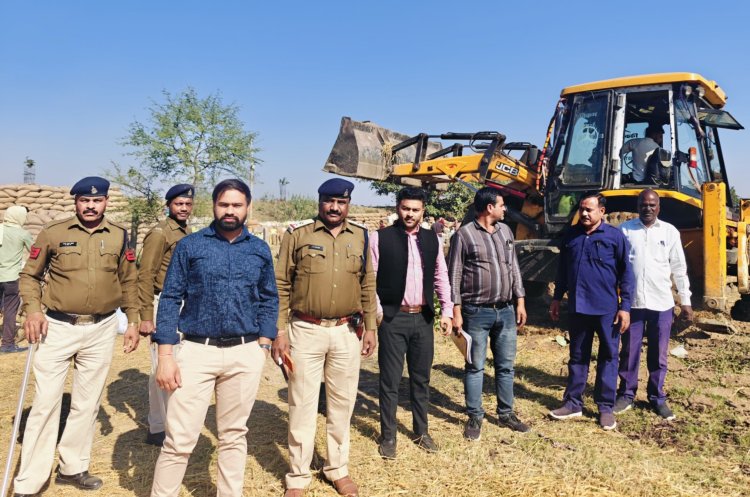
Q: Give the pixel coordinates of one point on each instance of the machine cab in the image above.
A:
(658, 131)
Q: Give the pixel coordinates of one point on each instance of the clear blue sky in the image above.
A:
(74, 74)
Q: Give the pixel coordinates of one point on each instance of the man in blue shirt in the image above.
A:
(594, 267)
(226, 279)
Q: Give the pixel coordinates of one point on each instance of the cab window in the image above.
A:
(580, 161)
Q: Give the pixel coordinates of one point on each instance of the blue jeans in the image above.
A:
(499, 325)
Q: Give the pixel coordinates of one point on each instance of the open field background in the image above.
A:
(705, 452)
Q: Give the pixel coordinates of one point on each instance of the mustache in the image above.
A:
(338, 213)
(90, 211)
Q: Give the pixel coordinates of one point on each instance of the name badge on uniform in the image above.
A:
(316, 247)
(68, 244)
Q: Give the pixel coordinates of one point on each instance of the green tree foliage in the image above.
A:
(452, 202)
(144, 203)
(296, 208)
(192, 139)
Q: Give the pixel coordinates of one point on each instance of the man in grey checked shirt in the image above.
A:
(485, 278)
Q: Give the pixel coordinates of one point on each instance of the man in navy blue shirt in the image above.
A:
(594, 267)
(226, 279)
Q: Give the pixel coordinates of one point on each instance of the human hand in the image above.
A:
(458, 319)
(520, 313)
(446, 324)
(369, 343)
(687, 313)
(35, 327)
(554, 310)
(130, 339)
(146, 328)
(168, 373)
(623, 318)
(280, 346)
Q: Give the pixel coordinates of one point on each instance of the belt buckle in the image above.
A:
(329, 323)
(84, 319)
(223, 342)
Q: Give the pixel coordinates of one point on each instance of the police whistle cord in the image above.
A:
(17, 420)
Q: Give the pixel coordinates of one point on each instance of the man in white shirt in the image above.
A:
(642, 148)
(656, 254)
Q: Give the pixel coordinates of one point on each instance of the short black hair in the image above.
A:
(485, 196)
(231, 184)
(601, 200)
(411, 193)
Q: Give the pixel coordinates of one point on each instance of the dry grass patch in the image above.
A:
(706, 452)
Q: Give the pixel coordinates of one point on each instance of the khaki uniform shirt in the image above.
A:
(158, 247)
(323, 276)
(88, 271)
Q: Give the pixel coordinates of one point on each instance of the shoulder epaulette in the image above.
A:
(359, 225)
(294, 226)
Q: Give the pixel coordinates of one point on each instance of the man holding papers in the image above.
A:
(485, 278)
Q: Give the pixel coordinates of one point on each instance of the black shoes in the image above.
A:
(156, 438)
(511, 421)
(387, 448)
(426, 443)
(622, 404)
(12, 349)
(664, 411)
(83, 481)
(473, 429)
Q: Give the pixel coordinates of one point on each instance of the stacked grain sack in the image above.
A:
(48, 203)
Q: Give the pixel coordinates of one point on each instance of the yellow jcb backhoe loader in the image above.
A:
(588, 148)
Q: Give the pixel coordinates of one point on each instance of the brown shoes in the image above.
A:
(345, 486)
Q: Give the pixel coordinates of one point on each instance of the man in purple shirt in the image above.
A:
(410, 267)
(594, 267)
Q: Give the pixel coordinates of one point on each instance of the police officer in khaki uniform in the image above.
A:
(158, 246)
(327, 299)
(90, 272)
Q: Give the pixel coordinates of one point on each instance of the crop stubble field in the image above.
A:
(706, 451)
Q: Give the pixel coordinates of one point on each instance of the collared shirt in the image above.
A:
(656, 254)
(642, 148)
(325, 276)
(15, 240)
(414, 293)
(158, 246)
(483, 266)
(88, 271)
(592, 268)
(228, 288)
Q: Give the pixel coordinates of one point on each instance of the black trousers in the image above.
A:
(410, 336)
(11, 300)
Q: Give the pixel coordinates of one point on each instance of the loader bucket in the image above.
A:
(364, 150)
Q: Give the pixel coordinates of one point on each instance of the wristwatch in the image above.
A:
(265, 346)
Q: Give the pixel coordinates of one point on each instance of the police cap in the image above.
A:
(336, 187)
(91, 186)
(181, 190)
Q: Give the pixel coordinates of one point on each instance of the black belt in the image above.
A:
(496, 305)
(78, 319)
(221, 342)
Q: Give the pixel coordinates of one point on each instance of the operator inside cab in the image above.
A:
(641, 150)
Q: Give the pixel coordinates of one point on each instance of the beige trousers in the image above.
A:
(233, 374)
(320, 353)
(157, 398)
(90, 347)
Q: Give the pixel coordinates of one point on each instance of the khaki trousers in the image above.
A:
(90, 347)
(320, 353)
(157, 398)
(233, 375)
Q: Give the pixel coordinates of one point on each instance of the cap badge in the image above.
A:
(190, 192)
(346, 192)
(93, 189)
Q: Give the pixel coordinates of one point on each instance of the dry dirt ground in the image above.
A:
(706, 451)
